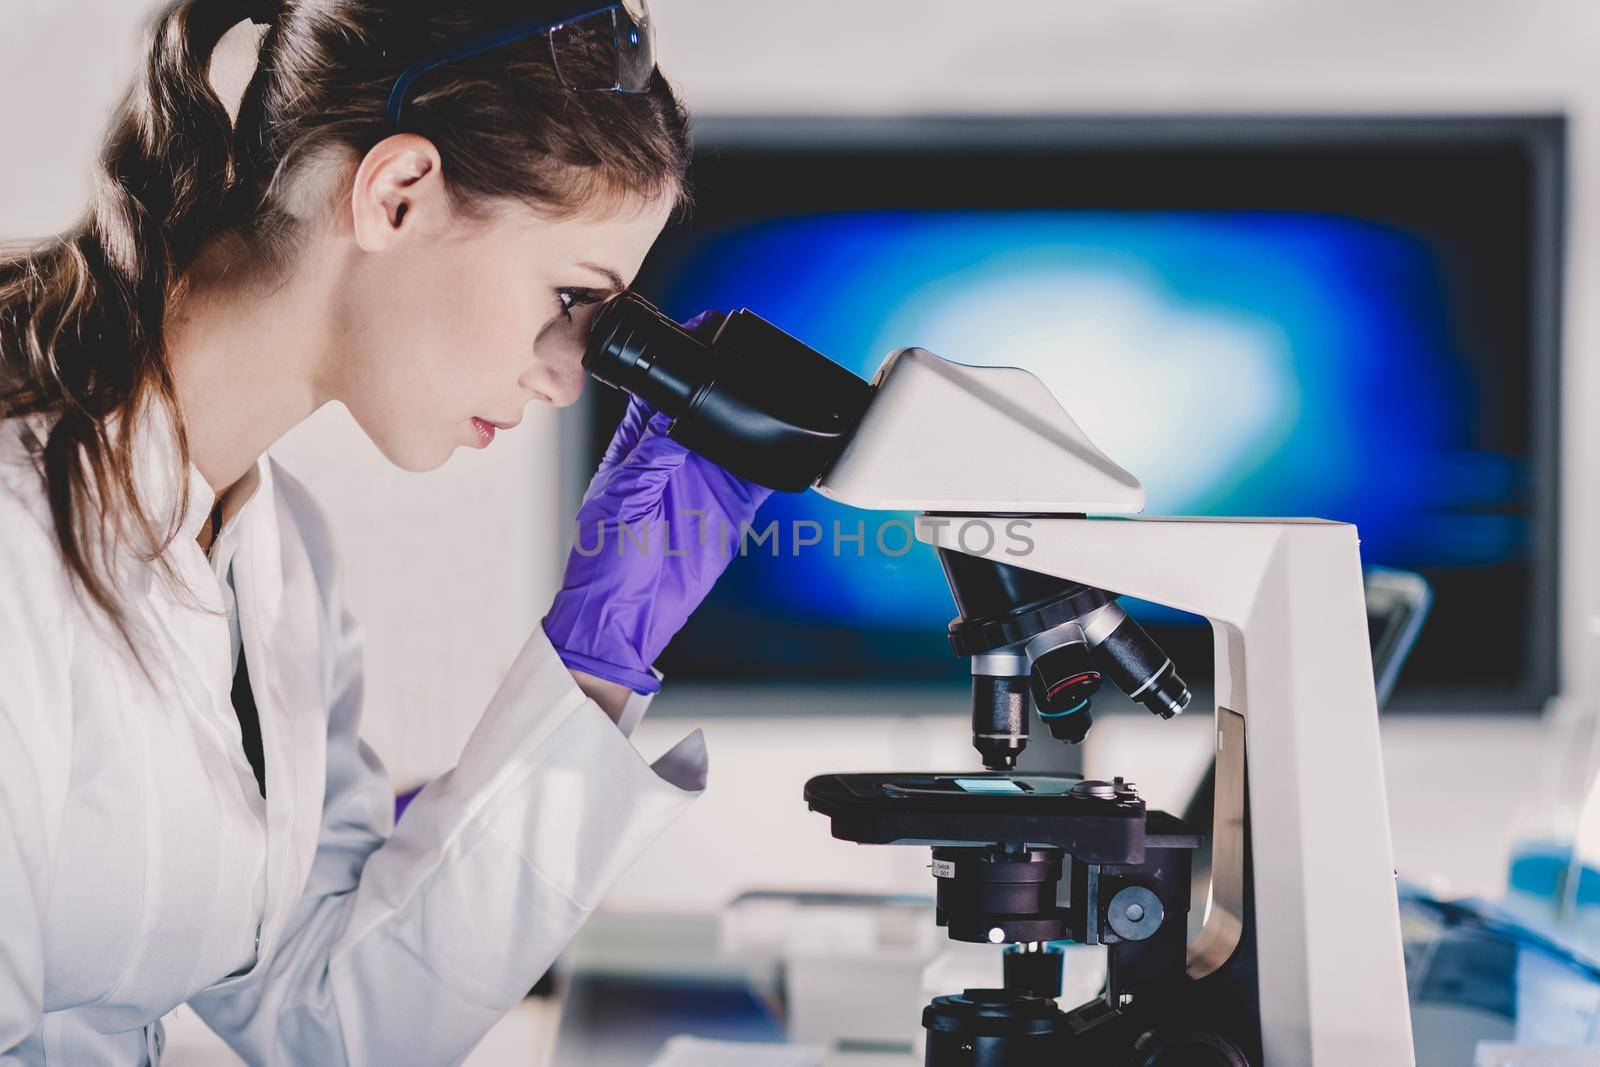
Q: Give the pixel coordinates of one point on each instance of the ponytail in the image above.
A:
(81, 317)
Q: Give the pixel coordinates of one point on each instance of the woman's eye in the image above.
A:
(569, 297)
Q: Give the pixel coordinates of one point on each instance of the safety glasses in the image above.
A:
(594, 47)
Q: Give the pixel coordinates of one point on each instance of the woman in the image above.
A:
(414, 214)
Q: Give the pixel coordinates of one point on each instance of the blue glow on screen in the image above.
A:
(1238, 363)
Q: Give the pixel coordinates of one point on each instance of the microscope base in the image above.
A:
(1005, 1028)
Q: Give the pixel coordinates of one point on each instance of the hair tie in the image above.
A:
(264, 12)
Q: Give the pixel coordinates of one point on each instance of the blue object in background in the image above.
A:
(1239, 363)
(1480, 971)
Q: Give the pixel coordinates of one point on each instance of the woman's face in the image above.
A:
(448, 325)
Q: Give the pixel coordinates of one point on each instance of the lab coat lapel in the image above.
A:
(281, 634)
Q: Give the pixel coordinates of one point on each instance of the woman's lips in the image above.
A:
(484, 430)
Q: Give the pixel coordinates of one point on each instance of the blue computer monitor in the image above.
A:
(1350, 320)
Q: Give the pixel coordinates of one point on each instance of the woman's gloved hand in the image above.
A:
(657, 527)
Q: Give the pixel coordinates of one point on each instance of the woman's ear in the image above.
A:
(397, 183)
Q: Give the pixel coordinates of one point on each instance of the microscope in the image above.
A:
(1299, 960)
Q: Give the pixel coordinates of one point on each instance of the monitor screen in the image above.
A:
(1345, 325)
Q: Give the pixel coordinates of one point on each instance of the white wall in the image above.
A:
(451, 570)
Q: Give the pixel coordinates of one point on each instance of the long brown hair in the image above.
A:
(82, 315)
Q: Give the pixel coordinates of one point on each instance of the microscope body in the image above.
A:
(1302, 875)
(1299, 961)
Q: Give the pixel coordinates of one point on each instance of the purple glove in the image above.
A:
(657, 527)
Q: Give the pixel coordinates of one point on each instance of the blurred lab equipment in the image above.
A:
(1489, 988)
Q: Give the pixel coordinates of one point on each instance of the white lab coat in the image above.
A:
(140, 869)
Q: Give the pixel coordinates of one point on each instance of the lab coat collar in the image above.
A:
(281, 648)
(156, 465)
(156, 474)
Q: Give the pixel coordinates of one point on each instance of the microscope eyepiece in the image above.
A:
(751, 398)
(636, 348)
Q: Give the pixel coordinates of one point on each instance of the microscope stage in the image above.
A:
(1095, 822)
